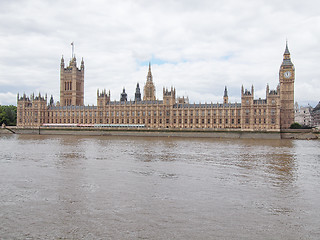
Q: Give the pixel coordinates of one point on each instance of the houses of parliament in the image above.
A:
(273, 113)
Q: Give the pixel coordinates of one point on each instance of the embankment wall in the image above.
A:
(233, 134)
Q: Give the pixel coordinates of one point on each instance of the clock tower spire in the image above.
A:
(286, 78)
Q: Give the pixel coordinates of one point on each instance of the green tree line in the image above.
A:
(8, 115)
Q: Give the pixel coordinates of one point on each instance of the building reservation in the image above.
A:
(273, 113)
(302, 115)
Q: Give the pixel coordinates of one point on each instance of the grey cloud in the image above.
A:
(204, 45)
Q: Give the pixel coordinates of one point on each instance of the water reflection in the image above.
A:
(72, 187)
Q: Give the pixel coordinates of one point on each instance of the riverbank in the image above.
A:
(188, 133)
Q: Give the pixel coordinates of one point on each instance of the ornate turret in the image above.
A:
(225, 95)
(51, 103)
(137, 95)
(123, 96)
(169, 96)
(62, 62)
(286, 57)
(82, 64)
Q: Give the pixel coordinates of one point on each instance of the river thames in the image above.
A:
(71, 187)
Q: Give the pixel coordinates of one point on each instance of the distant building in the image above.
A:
(273, 113)
(316, 116)
(302, 115)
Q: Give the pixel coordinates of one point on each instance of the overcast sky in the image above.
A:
(196, 46)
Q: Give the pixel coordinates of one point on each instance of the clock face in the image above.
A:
(287, 74)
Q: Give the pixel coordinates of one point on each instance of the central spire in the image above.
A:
(149, 91)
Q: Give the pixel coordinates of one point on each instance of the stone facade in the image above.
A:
(273, 113)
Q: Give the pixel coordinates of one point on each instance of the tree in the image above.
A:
(8, 115)
(295, 126)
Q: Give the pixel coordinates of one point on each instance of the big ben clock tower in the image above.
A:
(286, 77)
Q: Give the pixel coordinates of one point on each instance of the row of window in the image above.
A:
(144, 121)
(149, 121)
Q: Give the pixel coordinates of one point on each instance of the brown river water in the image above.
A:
(79, 187)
